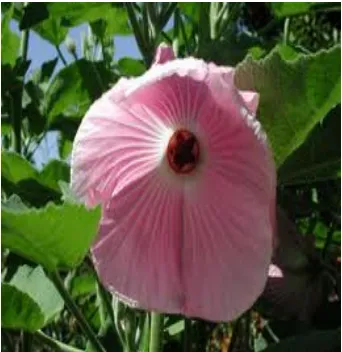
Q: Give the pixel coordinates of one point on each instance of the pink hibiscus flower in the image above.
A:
(186, 181)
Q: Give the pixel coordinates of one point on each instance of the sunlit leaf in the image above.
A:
(294, 94)
(10, 41)
(63, 232)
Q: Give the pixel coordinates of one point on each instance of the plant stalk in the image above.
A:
(55, 344)
(71, 305)
(17, 104)
(187, 335)
(157, 327)
(61, 55)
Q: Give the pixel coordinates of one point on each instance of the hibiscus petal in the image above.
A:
(163, 54)
(113, 147)
(137, 251)
(251, 100)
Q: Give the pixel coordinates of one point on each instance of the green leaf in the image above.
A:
(131, 67)
(44, 73)
(38, 286)
(53, 172)
(319, 157)
(15, 168)
(229, 51)
(19, 310)
(34, 13)
(176, 328)
(76, 13)
(75, 87)
(64, 147)
(190, 9)
(31, 300)
(284, 9)
(36, 187)
(52, 30)
(318, 341)
(53, 236)
(113, 21)
(294, 94)
(83, 285)
(10, 41)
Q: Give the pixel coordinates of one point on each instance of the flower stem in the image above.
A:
(286, 31)
(17, 104)
(54, 344)
(61, 55)
(187, 335)
(157, 327)
(71, 305)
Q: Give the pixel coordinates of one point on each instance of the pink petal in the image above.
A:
(251, 100)
(113, 147)
(197, 244)
(163, 54)
(137, 251)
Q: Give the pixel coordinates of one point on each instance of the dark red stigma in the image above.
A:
(183, 151)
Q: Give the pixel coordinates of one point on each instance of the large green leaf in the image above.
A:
(53, 236)
(38, 286)
(75, 87)
(19, 310)
(10, 41)
(294, 94)
(36, 187)
(319, 158)
(30, 300)
(318, 341)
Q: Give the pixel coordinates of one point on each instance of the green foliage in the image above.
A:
(35, 187)
(319, 158)
(31, 300)
(20, 311)
(9, 51)
(294, 94)
(131, 67)
(72, 91)
(65, 232)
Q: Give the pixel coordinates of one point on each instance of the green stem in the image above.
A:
(286, 30)
(213, 14)
(187, 335)
(61, 55)
(17, 105)
(71, 305)
(138, 33)
(157, 327)
(54, 344)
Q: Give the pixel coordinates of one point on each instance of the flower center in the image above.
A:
(183, 151)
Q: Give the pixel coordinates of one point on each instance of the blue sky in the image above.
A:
(41, 50)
